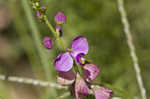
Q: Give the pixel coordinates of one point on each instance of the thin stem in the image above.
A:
(50, 26)
(31, 81)
(131, 47)
(60, 42)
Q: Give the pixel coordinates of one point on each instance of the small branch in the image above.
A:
(31, 81)
(131, 47)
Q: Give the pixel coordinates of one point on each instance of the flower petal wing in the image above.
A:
(63, 62)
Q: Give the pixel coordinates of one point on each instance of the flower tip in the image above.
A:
(47, 42)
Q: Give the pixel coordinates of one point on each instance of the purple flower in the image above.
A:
(91, 71)
(64, 61)
(47, 42)
(102, 93)
(79, 47)
(81, 89)
(60, 18)
(66, 78)
(38, 14)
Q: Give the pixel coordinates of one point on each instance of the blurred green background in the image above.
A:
(98, 20)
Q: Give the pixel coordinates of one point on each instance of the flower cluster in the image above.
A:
(70, 75)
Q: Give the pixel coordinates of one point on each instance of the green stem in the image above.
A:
(59, 40)
(50, 26)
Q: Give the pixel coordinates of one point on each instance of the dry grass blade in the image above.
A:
(31, 81)
(131, 47)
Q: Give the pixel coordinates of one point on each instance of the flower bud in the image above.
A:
(101, 93)
(47, 42)
(60, 18)
(91, 71)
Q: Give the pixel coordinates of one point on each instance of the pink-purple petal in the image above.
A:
(79, 45)
(66, 78)
(102, 93)
(81, 89)
(91, 71)
(63, 62)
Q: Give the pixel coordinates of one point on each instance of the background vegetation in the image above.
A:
(98, 20)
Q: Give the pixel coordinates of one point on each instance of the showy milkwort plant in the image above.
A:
(74, 70)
